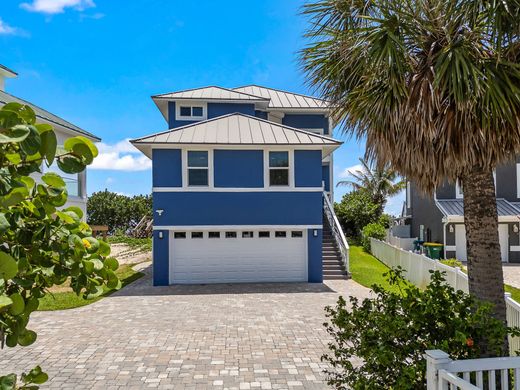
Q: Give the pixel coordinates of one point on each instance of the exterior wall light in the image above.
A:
(161, 235)
(515, 228)
(451, 229)
(160, 211)
(315, 232)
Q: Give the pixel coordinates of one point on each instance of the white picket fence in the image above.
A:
(400, 242)
(417, 270)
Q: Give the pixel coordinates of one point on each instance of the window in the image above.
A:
(179, 235)
(315, 130)
(408, 195)
(197, 168)
(280, 234)
(264, 234)
(297, 234)
(247, 235)
(214, 234)
(188, 112)
(279, 168)
(231, 234)
(197, 235)
(72, 180)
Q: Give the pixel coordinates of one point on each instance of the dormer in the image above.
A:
(5, 73)
(194, 105)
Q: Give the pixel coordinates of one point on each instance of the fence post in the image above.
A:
(457, 269)
(435, 360)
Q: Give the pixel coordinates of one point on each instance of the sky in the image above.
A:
(96, 63)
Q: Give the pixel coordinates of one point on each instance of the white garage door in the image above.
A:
(238, 256)
(460, 242)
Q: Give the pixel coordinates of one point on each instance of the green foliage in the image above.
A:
(372, 230)
(355, 211)
(118, 212)
(385, 220)
(43, 243)
(27, 381)
(452, 263)
(388, 334)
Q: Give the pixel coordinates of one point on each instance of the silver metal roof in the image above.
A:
(455, 207)
(283, 99)
(210, 93)
(236, 129)
(5, 69)
(45, 115)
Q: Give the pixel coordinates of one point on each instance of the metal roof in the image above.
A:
(237, 129)
(45, 115)
(6, 69)
(210, 93)
(283, 99)
(455, 207)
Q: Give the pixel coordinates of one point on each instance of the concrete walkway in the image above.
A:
(512, 274)
(264, 336)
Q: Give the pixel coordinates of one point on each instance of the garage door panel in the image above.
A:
(234, 260)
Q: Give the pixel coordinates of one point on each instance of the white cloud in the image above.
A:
(5, 29)
(57, 6)
(122, 156)
(347, 172)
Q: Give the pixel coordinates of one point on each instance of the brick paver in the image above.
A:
(251, 336)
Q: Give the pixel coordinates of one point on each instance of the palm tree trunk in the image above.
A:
(486, 280)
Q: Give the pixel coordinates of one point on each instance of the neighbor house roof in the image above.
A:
(455, 208)
(45, 115)
(4, 69)
(237, 129)
(210, 93)
(284, 99)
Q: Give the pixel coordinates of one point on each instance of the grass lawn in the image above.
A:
(367, 270)
(63, 298)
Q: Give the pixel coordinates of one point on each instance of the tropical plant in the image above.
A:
(43, 243)
(355, 211)
(118, 212)
(378, 343)
(372, 230)
(380, 182)
(434, 88)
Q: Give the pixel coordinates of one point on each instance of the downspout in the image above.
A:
(444, 226)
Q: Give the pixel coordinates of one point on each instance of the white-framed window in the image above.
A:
(279, 169)
(191, 111)
(408, 195)
(73, 181)
(198, 168)
(459, 192)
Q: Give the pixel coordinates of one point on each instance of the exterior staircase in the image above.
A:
(332, 264)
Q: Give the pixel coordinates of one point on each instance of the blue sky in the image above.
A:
(97, 62)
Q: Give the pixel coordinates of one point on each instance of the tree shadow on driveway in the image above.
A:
(144, 287)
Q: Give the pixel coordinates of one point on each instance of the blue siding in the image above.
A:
(160, 258)
(239, 168)
(315, 264)
(307, 168)
(326, 176)
(219, 109)
(238, 208)
(167, 168)
(172, 123)
(307, 121)
(261, 114)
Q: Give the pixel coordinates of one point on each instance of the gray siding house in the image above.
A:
(441, 218)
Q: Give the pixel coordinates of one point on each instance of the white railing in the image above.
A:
(337, 232)
(417, 270)
(472, 374)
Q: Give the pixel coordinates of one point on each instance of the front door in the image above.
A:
(460, 242)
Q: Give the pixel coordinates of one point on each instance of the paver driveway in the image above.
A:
(193, 337)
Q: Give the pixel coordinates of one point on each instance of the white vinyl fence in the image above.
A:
(403, 243)
(417, 270)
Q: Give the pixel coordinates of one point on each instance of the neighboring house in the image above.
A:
(76, 183)
(238, 186)
(441, 218)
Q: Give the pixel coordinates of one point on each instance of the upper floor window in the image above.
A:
(190, 111)
(72, 181)
(279, 168)
(198, 168)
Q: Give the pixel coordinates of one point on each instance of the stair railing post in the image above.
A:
(435, 360)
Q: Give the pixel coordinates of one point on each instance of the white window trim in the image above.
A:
(315, 130)
(267, 170)
(183, 103)
(518, 180)
(186, 168)
(408, 195)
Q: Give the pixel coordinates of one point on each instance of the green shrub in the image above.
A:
(372, 230)
(388, 334)
(356, 210)
(386, 220)
(452, 263)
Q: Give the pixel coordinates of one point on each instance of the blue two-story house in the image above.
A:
(238, 186)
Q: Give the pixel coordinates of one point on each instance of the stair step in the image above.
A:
(336, 277)
(333, 272)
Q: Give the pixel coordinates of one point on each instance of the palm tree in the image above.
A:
(434, 88)
(379, 182)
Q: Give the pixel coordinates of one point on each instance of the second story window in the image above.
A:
(198, 168)
(186, 111)
(278, 168)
